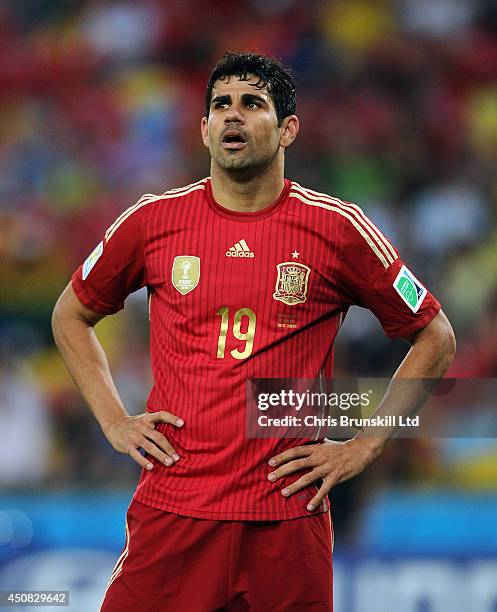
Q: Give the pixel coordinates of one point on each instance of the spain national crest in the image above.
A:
(186, 273)
(291, 284)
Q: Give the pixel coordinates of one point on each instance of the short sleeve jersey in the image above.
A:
(235, 296)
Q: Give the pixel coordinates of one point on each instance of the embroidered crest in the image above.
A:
(291, 284)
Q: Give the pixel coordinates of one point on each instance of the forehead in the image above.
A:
(234, 86)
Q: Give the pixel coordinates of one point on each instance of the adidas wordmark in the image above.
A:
(240, 249)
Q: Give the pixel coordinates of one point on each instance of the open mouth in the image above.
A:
(233, 139)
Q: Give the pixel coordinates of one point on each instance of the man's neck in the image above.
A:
(249, 195)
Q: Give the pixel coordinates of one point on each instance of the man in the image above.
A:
(249, 276)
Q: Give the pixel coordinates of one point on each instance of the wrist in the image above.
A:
(371, 447)
(109, 424)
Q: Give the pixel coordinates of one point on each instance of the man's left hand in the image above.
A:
(333, 462)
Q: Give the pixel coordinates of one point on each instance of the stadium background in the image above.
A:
(100, 101)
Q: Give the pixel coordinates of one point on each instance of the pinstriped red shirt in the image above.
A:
(236, 296)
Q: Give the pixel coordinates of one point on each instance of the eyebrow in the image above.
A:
(246, 97)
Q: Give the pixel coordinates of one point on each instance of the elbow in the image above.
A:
(55, 321)
(445, 344)
(449, 346)
(438, 342)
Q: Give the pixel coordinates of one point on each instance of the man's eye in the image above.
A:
(220, 104)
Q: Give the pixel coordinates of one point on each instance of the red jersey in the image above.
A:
(235, 296)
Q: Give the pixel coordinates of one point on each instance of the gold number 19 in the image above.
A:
(247, 336)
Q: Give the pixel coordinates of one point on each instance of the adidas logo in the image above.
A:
(240, 249)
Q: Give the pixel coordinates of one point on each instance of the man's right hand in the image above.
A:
(129, 433)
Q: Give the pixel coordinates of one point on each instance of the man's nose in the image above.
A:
(234, 114)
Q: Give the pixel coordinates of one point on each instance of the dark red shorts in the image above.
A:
(172, 563)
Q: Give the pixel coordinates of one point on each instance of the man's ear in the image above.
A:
(204, 130)
(290, 129)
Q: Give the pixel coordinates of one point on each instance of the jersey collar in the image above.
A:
(246, 216)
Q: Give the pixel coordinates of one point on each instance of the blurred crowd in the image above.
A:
(101, 100)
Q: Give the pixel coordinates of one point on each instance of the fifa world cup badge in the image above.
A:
(292, 282)
(92, 259)
(410, 289)
(186, 273)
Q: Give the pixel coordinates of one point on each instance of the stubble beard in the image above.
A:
(244, 164)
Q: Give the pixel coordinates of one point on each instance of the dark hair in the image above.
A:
(278, 78)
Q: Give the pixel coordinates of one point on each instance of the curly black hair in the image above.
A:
(278, 78)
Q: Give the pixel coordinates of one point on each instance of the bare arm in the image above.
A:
(432, 350)
(431, 353)
(72, 325)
